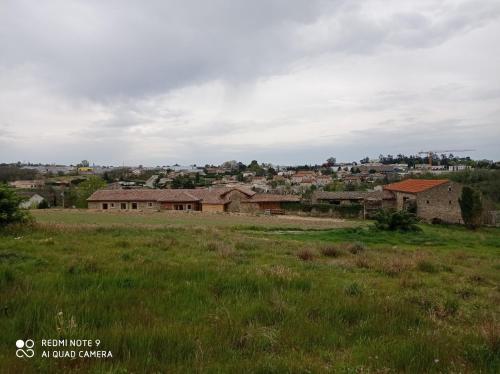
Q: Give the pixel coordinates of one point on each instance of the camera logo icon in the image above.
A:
(25, 348)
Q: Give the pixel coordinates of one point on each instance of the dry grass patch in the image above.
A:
(278, 271)
(356, 247)
(490, 330)
(306, 254)
(331, 251)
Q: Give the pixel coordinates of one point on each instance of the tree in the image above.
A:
(471, 206)
(84, 163)
(9, 207)
(87, 188)
(331, 161)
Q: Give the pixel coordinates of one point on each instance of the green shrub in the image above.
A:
(10, 213)
(391, 220)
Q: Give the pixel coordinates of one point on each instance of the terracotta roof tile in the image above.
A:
(262, 198)
(353, 195)
(415, 185)
(205, 195)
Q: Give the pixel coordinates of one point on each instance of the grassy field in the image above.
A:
(184, 219)
(209, 293)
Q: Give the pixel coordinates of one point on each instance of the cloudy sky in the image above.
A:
(285, 81)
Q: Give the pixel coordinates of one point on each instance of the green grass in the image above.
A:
(198, 297)
(183, 219)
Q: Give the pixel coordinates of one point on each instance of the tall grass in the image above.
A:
(193, 299)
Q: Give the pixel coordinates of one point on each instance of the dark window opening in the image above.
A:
(427, 201)
(134, 205)
(123, 206)
(449, 202)
(105, 206)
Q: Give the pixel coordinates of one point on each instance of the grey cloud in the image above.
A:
(119, 49)
(124, 58)
(127, 48)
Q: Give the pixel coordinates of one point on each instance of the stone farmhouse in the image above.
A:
(230, 199)
(430, 198)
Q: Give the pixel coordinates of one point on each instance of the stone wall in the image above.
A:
(213, 208)
(440, 202)
(235, 197)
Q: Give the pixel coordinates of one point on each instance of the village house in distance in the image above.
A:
(357, 190)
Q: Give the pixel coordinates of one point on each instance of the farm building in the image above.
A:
(207, 200)
(268, 202)
(229, 199)
(432, 198)
(370, 200)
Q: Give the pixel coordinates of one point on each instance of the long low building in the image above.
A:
(234, 199)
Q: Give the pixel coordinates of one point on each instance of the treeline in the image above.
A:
(10, 173)
(437, 159)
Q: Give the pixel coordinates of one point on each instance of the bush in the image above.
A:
(10, 212)
(306, 254)
(356, 247)
(391, 220)
(330, 251)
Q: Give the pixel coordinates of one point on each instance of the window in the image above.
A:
(134, 205)
(105, 206)
(427, 201)
(449, 188)
(112, 205)
(449, 202)
(123, 206)
(150, 204)
(189, 207)
(179, 207)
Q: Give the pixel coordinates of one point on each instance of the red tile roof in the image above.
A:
(205, 195)
(142, 195)
(263, 198)
(415, 185)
